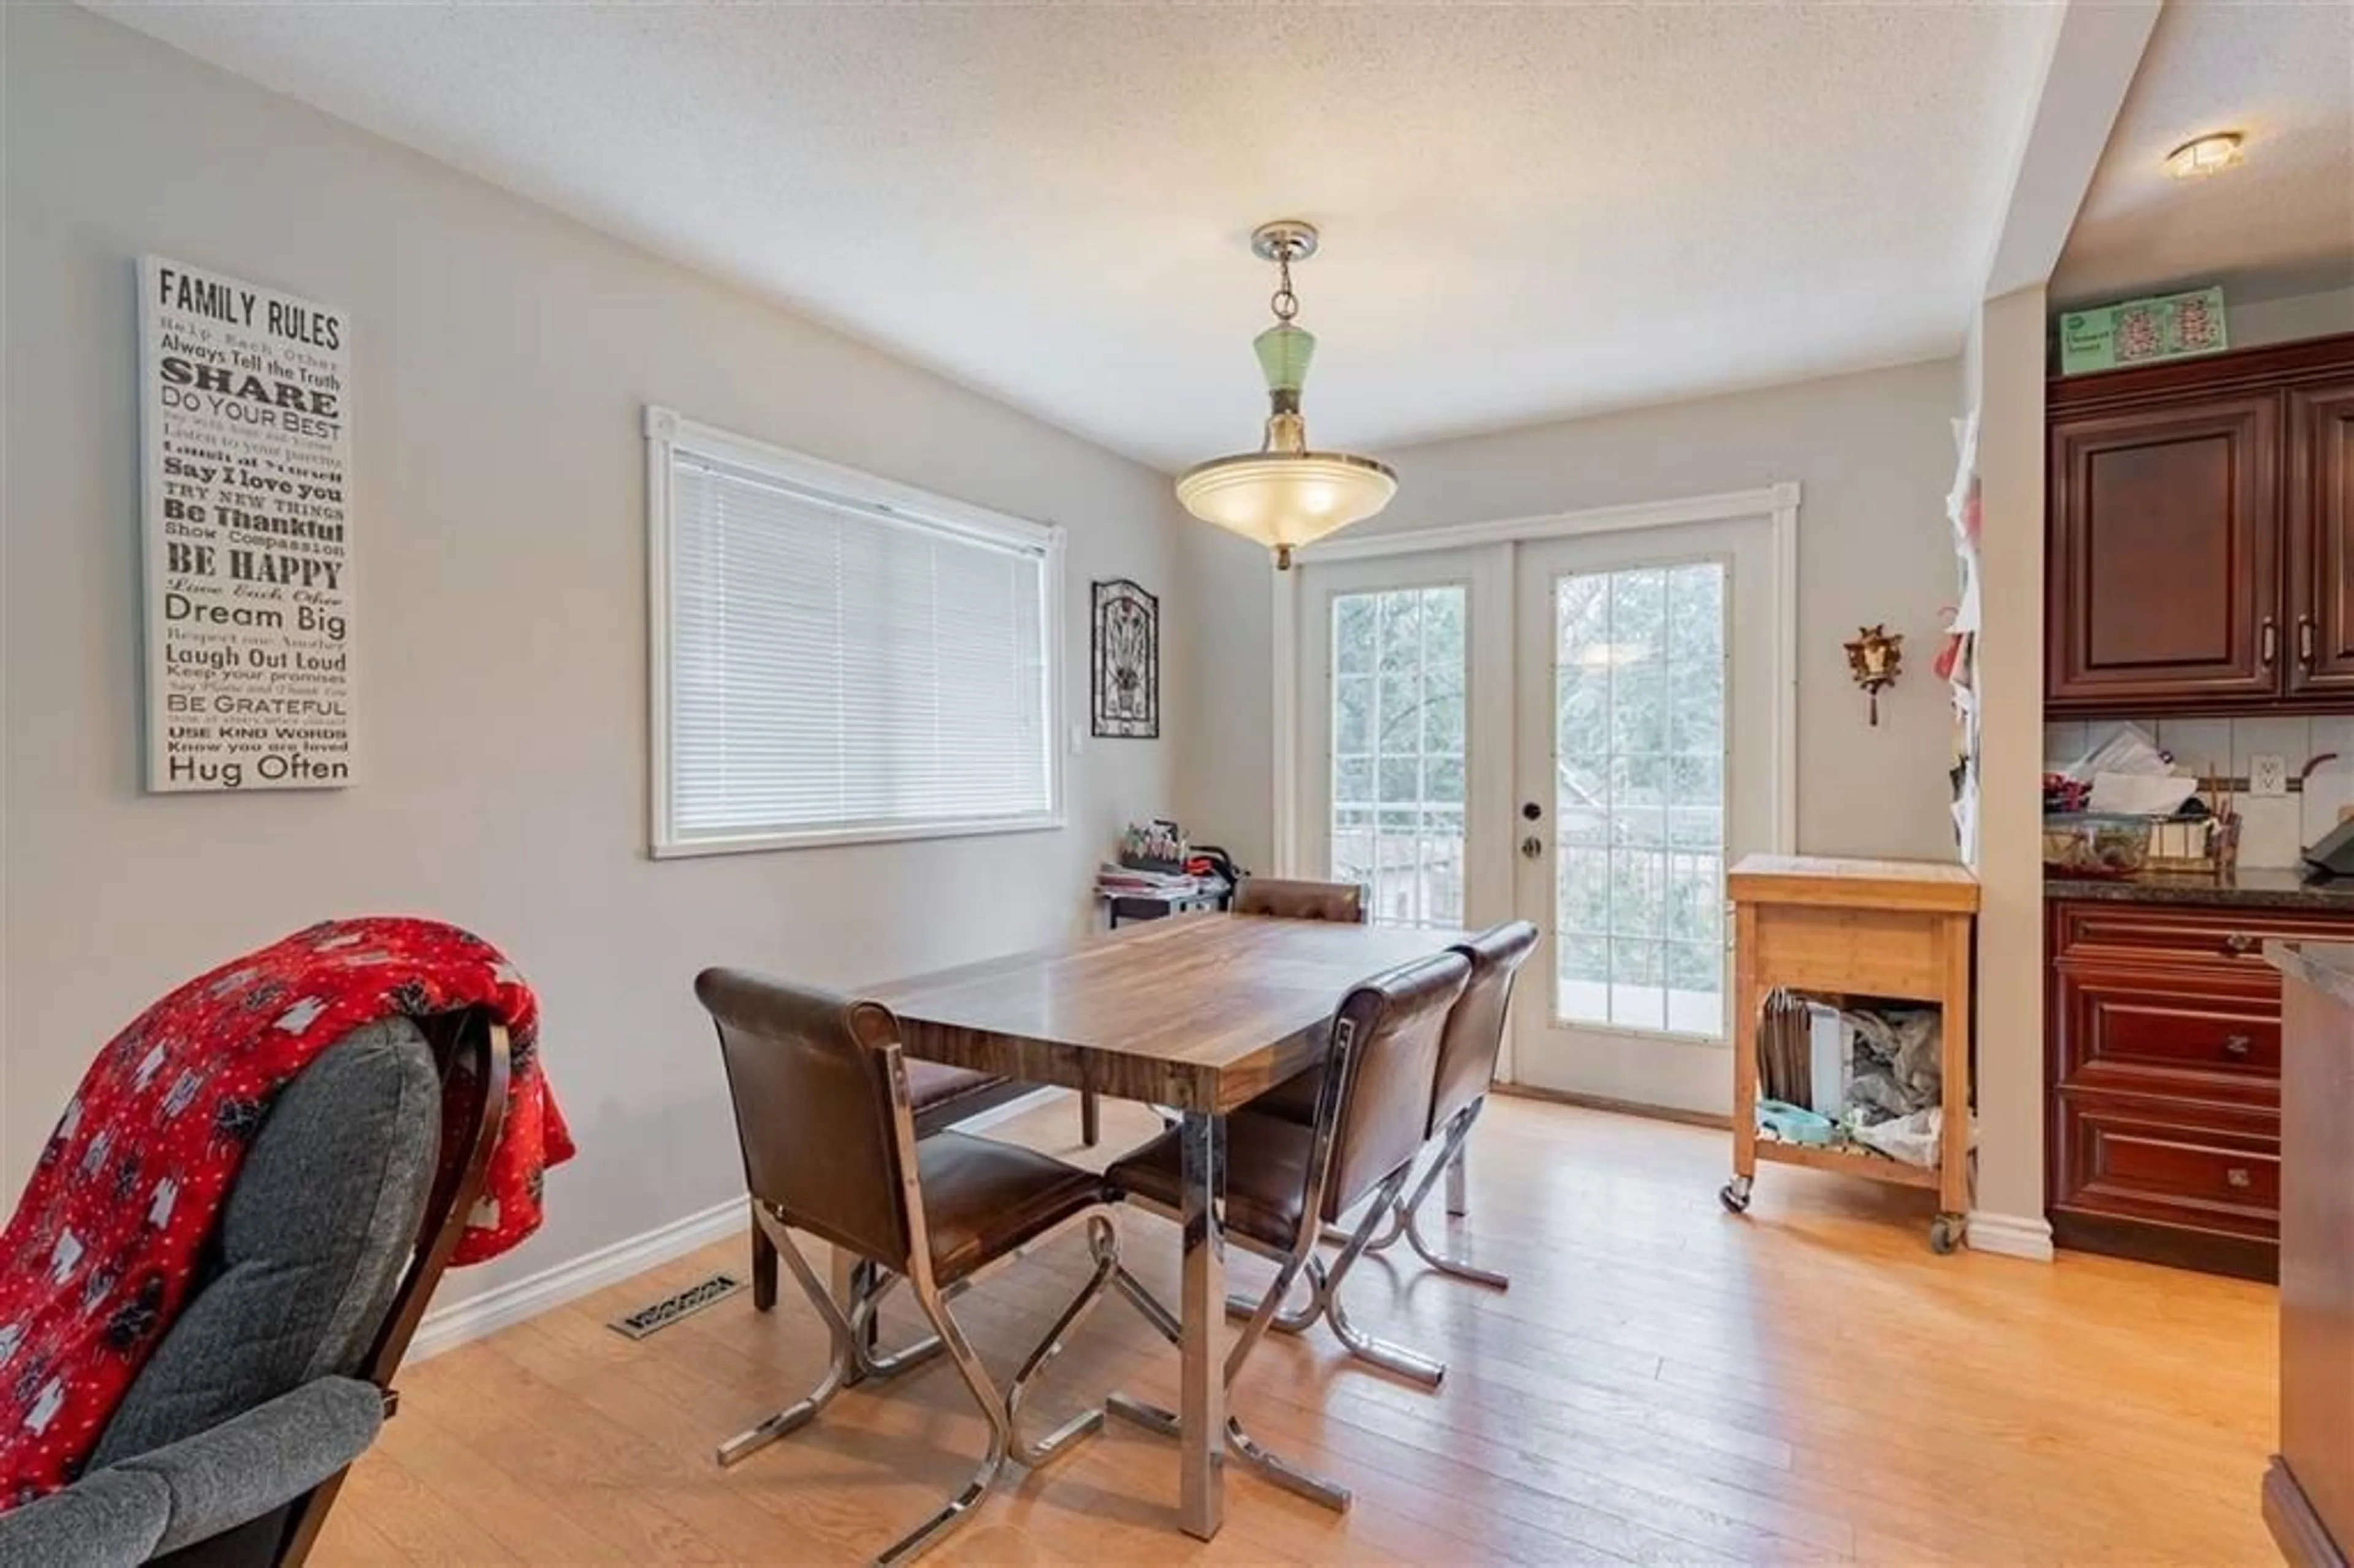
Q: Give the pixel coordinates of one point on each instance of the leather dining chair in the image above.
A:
(1290, 899)
(823, 1111)
(1466, 1067)
(941, 1097)
(1285, 1182)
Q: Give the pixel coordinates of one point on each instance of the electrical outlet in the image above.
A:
(2267, 776)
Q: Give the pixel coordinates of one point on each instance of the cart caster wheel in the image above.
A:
(1734, 1195)
(1945, 1233)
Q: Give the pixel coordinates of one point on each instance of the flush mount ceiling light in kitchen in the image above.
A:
(1285, 495)
(2204, 155)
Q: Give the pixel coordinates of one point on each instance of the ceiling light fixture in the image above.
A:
(1285, 495)
(2204, 155)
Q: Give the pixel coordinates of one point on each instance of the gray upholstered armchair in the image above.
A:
(228, 1447)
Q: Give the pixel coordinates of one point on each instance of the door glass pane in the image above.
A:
(1639, 807)
(1398, 751)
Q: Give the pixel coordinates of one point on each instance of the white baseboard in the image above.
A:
(2013, 1235)
(447, 1327)
(1012, 1109)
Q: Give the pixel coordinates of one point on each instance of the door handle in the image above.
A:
(2237, 1044)
(2304, 640)
(2272, 642)
(1531, 848)
(2238, 1176)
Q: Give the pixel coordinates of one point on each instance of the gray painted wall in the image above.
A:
(502, 355)
(2257, 322)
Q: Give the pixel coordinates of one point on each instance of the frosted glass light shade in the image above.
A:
(1285, 500)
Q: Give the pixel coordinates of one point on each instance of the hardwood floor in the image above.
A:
(1663, 1383)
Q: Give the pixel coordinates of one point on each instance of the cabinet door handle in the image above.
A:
(2237, 1176)
(2271, 641)
(2237, 1044)
(2304, 640)
(2238, 944)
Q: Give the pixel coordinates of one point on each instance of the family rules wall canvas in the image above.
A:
(245, 436)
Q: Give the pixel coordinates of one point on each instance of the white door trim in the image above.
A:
(1777, 502)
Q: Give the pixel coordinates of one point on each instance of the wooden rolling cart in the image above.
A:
(1891, 929)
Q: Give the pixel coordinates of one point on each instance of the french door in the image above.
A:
(1579, 731)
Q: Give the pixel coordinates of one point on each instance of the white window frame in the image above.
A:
(668, 435)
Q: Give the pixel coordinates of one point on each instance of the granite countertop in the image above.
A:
(2324, 966)
(2250, 887)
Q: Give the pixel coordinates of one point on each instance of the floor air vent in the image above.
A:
(662, 1314)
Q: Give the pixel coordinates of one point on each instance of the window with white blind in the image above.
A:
(837, 658)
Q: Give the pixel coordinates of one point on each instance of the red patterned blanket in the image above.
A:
(98, 1258)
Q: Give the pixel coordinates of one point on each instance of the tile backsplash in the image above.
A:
(2274, 832)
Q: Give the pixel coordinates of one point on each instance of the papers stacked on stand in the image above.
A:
(1126, 881)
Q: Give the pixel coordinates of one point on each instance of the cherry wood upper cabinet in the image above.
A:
(2321, 539)
(2164, 578)
(2201, 535)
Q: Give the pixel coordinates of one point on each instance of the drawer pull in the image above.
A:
(2238, 944)
(2237, 1044)
(2271, 650)
(2237, 1176)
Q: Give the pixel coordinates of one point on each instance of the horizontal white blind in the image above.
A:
(838, 666)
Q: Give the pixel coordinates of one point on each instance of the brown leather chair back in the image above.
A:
(1475, 1029)
(1292, 900)
(811, 1073)
(1392, 1024)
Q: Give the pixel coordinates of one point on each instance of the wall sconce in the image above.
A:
(1875, 658)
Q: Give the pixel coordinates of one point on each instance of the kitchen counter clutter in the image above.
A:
(2248, 887)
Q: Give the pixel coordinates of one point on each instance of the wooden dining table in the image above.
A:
(1197, 1013)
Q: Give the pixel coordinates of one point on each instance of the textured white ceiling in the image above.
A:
(1527, 213)
(2281, 222)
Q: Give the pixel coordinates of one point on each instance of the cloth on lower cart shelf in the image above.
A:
(1889, 1076)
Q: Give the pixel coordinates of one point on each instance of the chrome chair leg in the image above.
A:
(959, 1510)
(1308, 1484)
(1450, 1161)
(1300, 1318)
(1003, 1410)
(1248, 1449)
(841, 1366)
(1458, 1200)
(1103, 1242)
(1281, 1471)
(1338, 1236)
(1406, 1363)
(873, 1284)
(865, 1286)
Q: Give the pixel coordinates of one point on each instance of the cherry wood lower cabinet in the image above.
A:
(2163, 1054)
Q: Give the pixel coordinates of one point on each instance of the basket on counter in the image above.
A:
(2112, 846)
(2195, 846)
